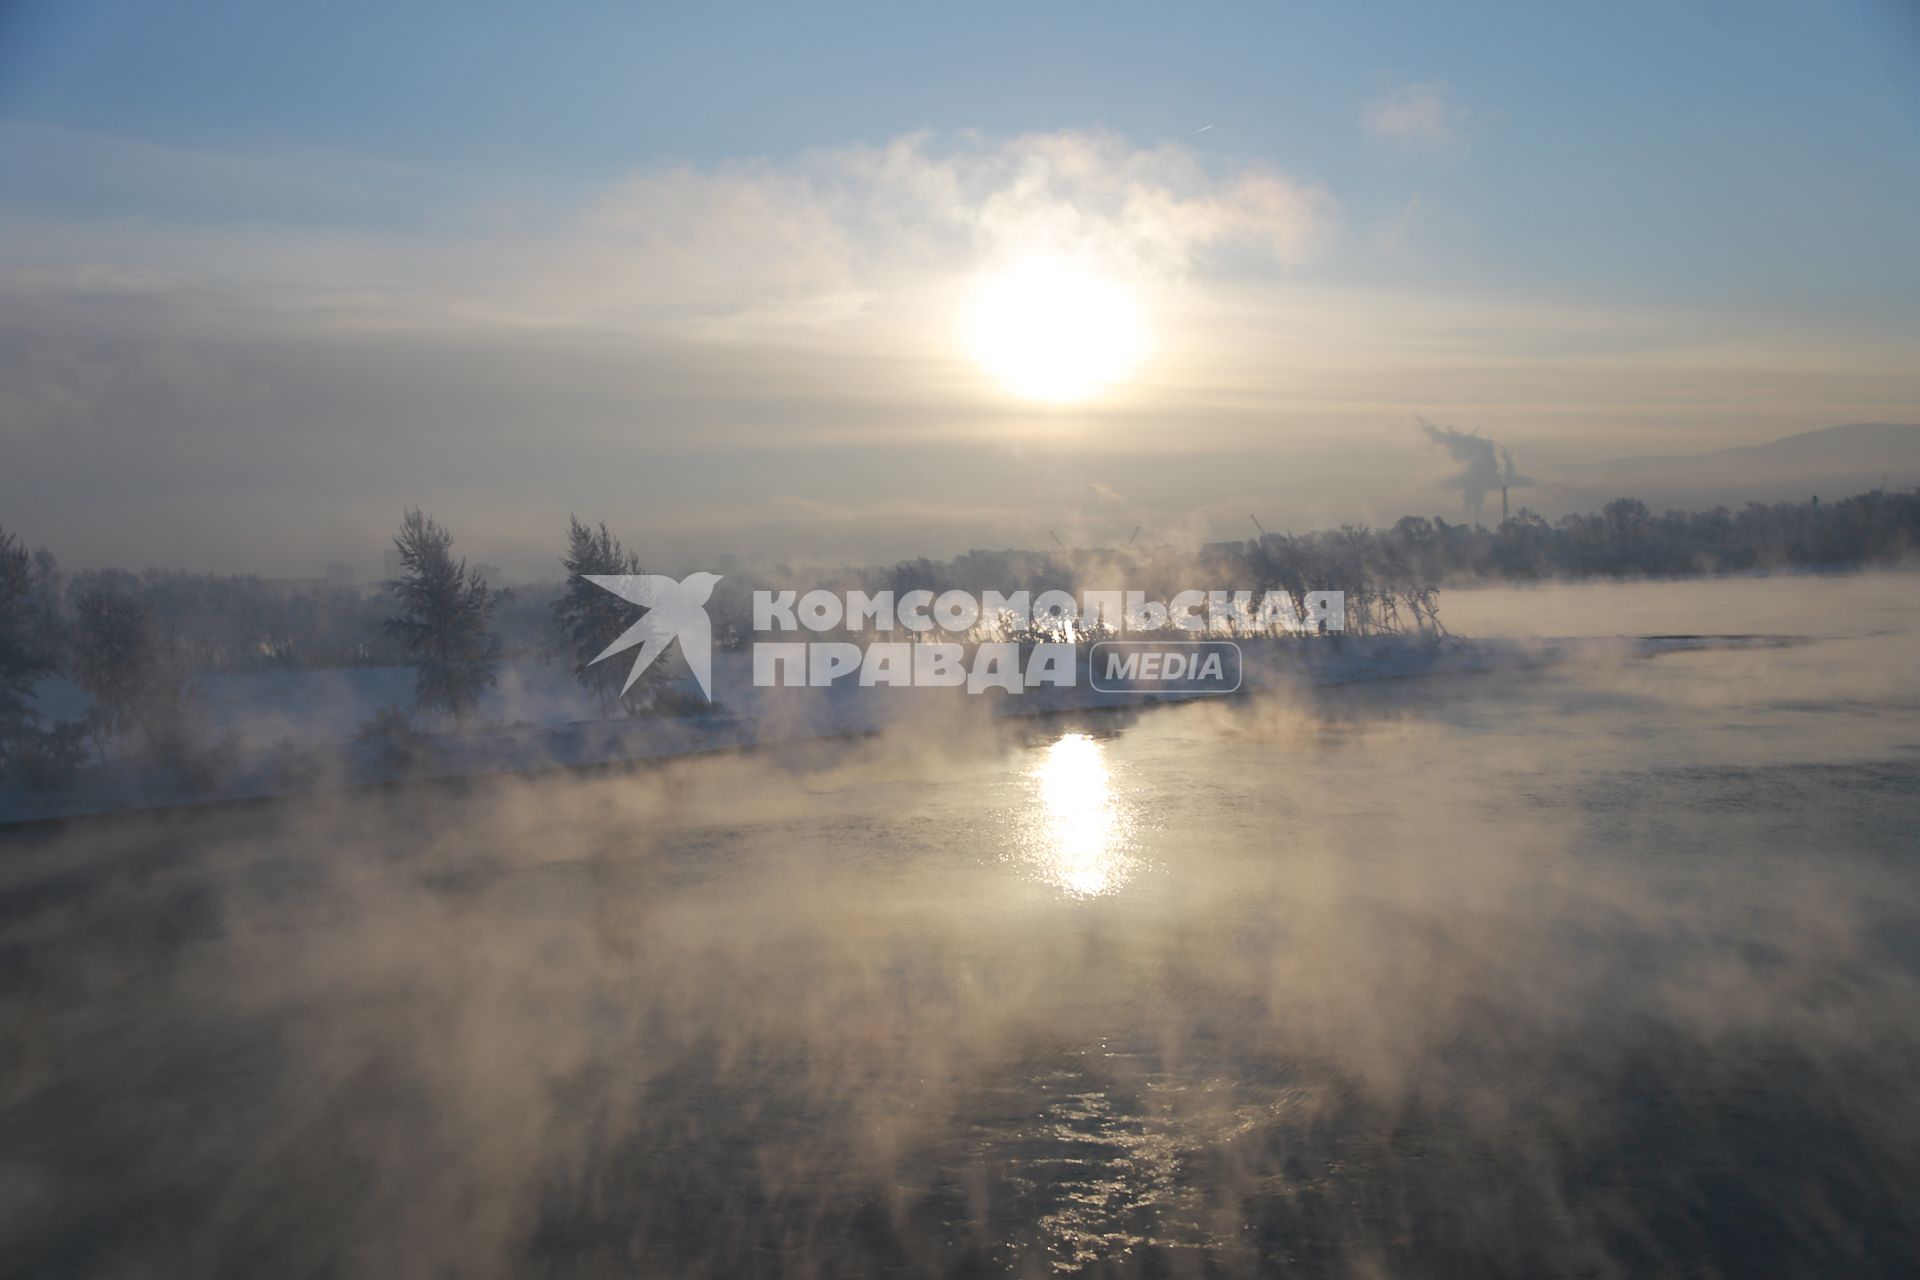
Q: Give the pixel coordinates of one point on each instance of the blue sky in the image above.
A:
(1740, 178)
(1738, 146)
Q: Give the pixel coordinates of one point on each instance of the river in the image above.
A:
(1604, 967)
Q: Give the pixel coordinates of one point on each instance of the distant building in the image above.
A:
(491, 572)
(339, 574)
(393, 563)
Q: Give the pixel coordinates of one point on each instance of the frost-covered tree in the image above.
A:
(590, 617)
(23, 656)
(115, 657)
(129, 668)
(444, 621)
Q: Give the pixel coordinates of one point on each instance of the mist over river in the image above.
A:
(1609, 967)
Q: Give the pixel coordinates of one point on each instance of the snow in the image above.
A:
(292, 731)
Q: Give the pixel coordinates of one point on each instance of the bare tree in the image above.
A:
(137, 681)
(115, 659)
(23, 658)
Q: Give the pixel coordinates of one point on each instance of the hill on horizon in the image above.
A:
(1828, 462)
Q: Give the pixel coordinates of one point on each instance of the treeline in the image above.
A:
(1627, 539)
(1391, 577)
(224, 623)
(136, 642)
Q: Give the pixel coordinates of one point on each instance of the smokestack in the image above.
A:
(1484, 465)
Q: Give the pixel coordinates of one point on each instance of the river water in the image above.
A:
(1605, 967)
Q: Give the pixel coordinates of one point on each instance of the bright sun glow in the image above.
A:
(1049, 329)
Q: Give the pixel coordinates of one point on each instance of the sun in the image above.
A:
(1048, 328)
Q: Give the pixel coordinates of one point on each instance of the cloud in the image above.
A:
(811, 240)
(819, 240)
(1415, 115)
(824, 237)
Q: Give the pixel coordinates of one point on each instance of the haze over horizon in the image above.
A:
(266, 278)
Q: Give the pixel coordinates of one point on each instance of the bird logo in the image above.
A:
(675, 610)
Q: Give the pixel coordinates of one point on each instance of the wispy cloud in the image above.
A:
(816, 239)
(822, 237)
(1415, 115)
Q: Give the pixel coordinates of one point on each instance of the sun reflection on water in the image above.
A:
(1083, 839)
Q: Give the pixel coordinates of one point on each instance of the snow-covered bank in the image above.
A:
(292, 732)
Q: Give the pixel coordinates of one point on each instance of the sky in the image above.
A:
(715, 274)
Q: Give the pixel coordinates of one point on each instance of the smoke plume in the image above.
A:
(1485, 465)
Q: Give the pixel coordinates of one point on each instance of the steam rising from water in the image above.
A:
(1598, 969)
